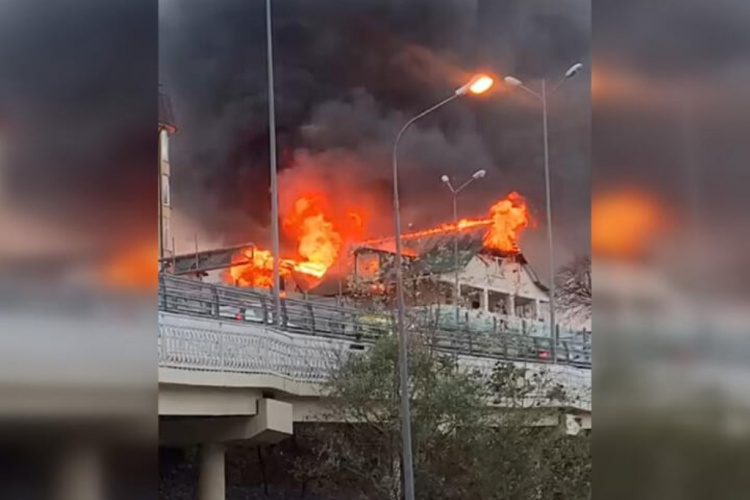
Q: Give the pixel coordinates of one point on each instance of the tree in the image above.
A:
(573, 288)
(465, 446)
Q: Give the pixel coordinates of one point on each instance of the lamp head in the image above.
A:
(512, 81)
(479, 84)
(445, 179)
(573, 70)
(479, 174)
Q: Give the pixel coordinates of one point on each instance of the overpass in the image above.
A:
(229, 371)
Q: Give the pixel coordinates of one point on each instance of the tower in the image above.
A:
(167, 127)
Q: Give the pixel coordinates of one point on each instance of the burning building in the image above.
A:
(489, 279)
(476, 264)
(483, 254)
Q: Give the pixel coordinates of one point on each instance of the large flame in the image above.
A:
(510, 216)
(257, 272)
(321, 237)
(319, 241)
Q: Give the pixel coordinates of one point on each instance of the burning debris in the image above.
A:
(322, 238)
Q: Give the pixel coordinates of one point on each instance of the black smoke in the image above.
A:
(348, 75)
(77, 100)
(680, 130)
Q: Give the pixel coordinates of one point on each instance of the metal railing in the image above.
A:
(234, 304)
(200, 344)
(205, 345)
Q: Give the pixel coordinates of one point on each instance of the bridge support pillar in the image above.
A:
(212, 480)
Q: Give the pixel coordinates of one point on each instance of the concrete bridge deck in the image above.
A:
(229, 371)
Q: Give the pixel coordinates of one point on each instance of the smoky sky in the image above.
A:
(77, 104)
(348, 75)
(681, 132)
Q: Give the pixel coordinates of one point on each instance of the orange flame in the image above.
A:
(321, 236)
(319, 241)
(510, 217)
(258, 272)
(462, 225)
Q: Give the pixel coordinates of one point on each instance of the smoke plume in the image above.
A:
(348, 75)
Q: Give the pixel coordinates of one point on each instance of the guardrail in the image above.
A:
(227, 303)
(202, 344)
(205, 345)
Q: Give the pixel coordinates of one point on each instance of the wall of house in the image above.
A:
(500, 286)
(499, 275)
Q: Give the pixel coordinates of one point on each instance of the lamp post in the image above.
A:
(478, 85)
(274, 183)
(446, 180)
(514, 82)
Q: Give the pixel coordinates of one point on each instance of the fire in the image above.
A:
(258, 272)
(319, 241)
(321, 237)
(462, 225)
(510, 216)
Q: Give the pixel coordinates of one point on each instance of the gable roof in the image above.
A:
(436, 256)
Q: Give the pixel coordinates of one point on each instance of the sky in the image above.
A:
(78, 150)
(348, 75)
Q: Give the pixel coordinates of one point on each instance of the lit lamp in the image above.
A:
(479, 84)
(542, 97)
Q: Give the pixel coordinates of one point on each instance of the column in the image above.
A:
(211, 480)
(511, 305)
(537, 310)
(485, 300)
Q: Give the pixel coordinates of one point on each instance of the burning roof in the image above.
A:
(323, 235)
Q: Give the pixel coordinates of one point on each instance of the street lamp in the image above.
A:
(274, 182)
(446, 180)
(477, 85)
(515, 82)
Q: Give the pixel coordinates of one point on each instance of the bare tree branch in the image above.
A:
(573, 288)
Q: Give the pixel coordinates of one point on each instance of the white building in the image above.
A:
(493, 286)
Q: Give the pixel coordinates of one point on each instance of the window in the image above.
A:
(165, 189)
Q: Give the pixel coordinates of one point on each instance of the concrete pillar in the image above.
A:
(485, 299)
(511, 305)
(211, 479)
(537, 310)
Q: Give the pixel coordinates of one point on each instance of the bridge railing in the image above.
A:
(226, 303)
(202, 344)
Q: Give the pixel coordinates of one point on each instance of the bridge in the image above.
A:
(230, 371)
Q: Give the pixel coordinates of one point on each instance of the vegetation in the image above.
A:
(573, 288)
(466, 445)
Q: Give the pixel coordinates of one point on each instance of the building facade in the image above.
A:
(495, 289)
